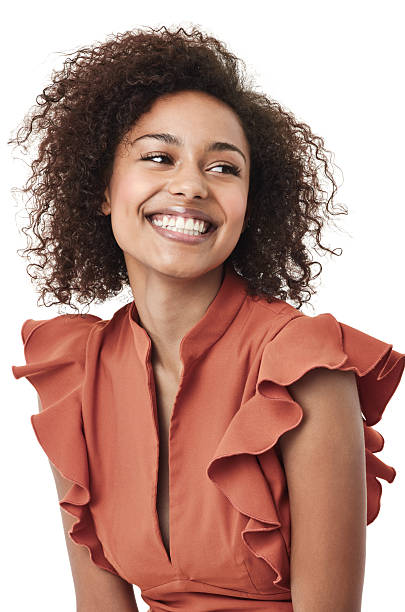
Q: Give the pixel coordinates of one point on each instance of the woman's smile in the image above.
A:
(181, 229)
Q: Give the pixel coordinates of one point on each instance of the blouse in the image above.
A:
(228, 499)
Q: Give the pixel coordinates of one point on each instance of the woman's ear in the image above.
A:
(106, 205)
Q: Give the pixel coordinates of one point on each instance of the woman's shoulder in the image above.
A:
(294, 343)
(58, 327)
(55, 346)
(307, 339)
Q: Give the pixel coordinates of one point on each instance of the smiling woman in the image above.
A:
(210, 443)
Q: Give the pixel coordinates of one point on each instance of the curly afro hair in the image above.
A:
(91, 104)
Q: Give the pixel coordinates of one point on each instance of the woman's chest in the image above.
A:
(166, 387)
(170, 469)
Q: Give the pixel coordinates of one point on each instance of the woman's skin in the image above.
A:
(172, 282)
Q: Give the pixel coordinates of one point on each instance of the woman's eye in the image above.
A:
(153, 155)
(226, 168)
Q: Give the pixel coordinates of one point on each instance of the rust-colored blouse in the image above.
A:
(229, 510)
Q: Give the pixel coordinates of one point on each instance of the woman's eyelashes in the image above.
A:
(229, 168)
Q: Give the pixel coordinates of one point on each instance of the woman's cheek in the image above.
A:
(236, 209)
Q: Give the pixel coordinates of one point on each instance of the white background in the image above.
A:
(339, 67)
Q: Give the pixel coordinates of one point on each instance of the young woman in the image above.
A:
(210, 443)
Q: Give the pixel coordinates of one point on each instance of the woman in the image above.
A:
(207, 441)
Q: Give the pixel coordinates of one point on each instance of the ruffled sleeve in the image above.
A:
(55, 352)
(246, 464)
(306, 343)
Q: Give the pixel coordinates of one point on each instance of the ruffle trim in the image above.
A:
(303, 344)
(59, 426)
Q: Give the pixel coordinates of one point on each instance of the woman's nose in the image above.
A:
(188, 181)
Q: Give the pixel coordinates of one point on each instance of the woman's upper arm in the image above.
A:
(97, 590)
(324, 461)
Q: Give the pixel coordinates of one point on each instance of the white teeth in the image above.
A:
(192, 227)
(176, 227)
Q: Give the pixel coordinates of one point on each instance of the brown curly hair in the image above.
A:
(91, 104)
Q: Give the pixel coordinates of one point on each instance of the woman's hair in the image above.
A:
(91, 104)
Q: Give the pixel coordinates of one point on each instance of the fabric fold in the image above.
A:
(250, 439)
(234, 469)
(306, 343)
(55, 354)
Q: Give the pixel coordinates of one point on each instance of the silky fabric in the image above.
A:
(229, 510)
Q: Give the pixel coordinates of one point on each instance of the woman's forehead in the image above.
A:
(186, 117)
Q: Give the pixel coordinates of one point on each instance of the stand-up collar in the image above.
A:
(217, 318)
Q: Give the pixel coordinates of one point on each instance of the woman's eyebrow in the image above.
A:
(171, 139)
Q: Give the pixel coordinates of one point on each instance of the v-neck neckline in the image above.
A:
(218, 317)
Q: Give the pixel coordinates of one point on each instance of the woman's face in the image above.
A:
(187, 173)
